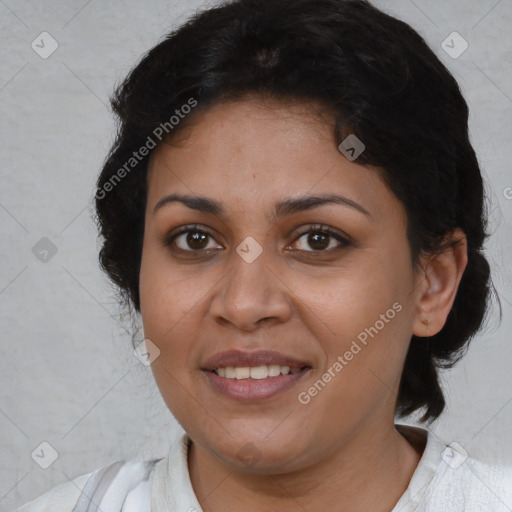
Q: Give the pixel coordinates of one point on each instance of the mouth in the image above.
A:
(256, 372)
(253, 376)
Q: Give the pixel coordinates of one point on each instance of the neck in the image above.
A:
(370, 472)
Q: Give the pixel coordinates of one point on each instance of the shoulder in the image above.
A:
(61, 498)
(112, 486)
(466, 484)
(449, 479)
(469, 484)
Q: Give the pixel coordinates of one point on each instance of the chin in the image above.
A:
(254, 450)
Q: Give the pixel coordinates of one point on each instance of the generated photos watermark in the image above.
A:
(158, 133)
(305, 397)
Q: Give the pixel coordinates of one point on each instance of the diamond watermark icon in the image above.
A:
(351, 147)
(44, 45)
(249, 454)
(146, 352)
(45, 455)
(454, 455)
(249, 249)
(454, 45)
(44, 250)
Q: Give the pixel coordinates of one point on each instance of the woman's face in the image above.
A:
(256, 275)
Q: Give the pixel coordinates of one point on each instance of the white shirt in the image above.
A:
(445, 480)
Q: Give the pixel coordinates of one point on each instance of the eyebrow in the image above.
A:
(283, 208)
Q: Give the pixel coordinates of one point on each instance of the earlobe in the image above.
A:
(440, 282)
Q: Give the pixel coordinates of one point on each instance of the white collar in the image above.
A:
(172, 489)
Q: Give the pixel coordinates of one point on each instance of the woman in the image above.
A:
(294, 208)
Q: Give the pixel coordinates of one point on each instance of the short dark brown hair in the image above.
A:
(379, 80)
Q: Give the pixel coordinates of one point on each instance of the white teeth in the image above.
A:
(274, 370)
(259, 372)
(253, 372)
(242, 372)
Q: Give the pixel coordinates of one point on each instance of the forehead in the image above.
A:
(255, 128)
(254, 152)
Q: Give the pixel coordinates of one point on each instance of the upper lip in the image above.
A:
(243, 359)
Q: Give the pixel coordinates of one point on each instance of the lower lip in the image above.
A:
(247, 390)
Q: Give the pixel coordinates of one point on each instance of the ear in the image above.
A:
(437, 284)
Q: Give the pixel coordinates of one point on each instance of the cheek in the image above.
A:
(168, 317)
(371, 318)
(164, 290)
(357, 299)
(362, 373)
(166, 300)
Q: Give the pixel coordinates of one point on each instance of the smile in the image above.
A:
(256, 372)
(253, 376)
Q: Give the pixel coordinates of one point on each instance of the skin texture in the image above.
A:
(342, 446)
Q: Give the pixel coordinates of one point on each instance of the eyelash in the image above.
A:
(317, 228)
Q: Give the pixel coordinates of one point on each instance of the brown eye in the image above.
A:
(191, 239)
(320, 239)
(196, 239)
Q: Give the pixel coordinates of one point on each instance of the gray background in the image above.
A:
(68, 374)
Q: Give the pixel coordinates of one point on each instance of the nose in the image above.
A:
(251, 294)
